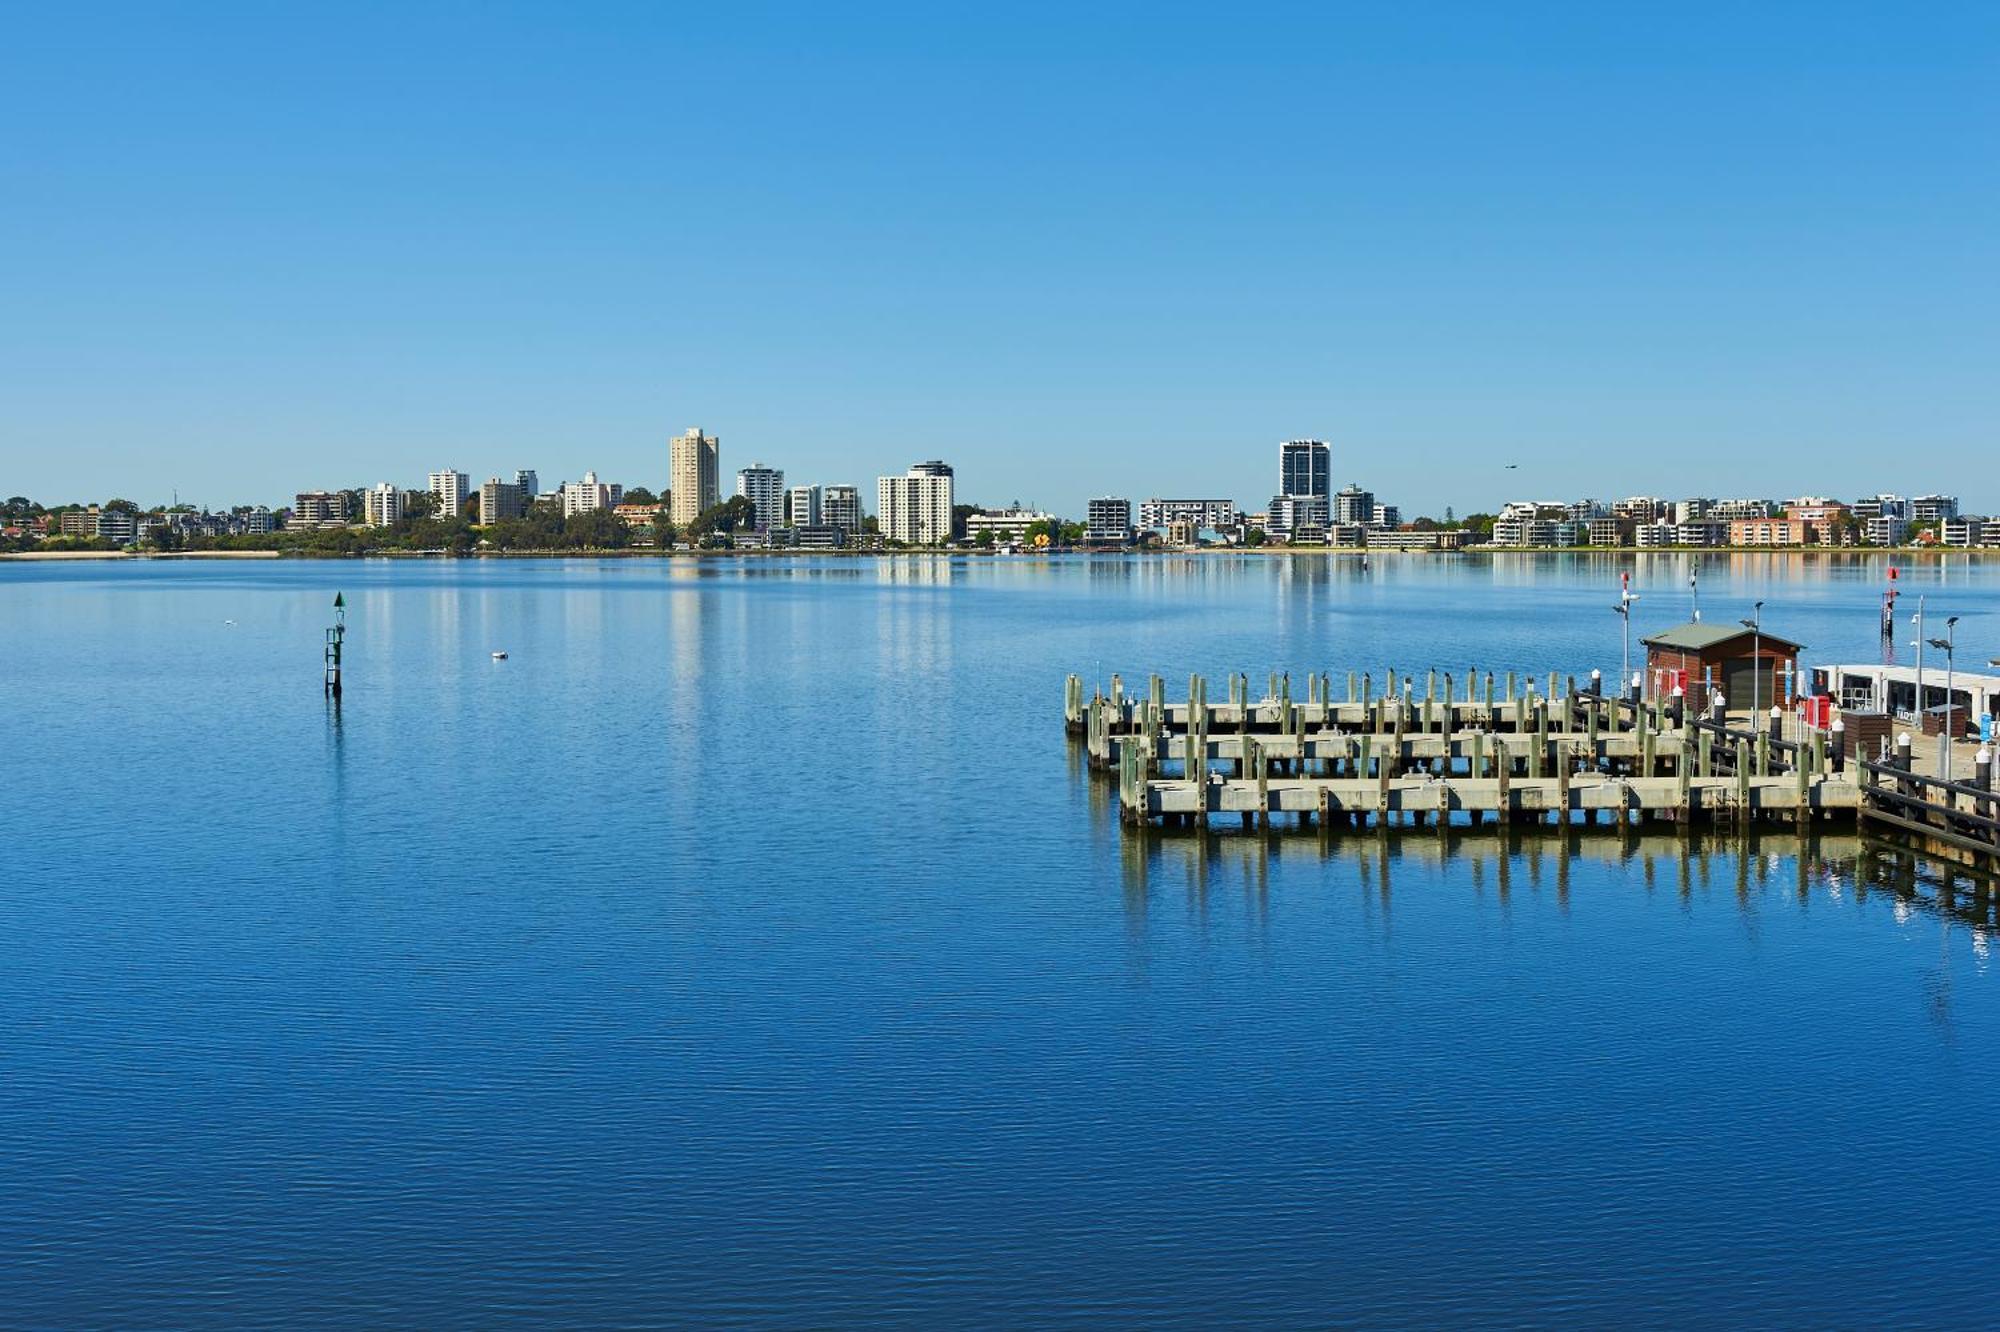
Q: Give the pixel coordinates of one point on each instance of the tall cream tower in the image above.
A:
(692, 468)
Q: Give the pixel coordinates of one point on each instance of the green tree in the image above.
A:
(640, 495)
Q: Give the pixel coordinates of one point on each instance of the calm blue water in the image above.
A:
(750, 947)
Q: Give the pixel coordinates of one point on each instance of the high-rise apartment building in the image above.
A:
(530, 484)
(692, 474)
(802, 506)
(1108, 519)
(1303, 467)
(764, 487)
(915, 508)
(840, 506)
(588, 494)
(385, 505)
(499, 500)
(450, 488)
(1354, 505)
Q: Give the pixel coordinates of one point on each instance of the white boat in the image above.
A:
(499, 656)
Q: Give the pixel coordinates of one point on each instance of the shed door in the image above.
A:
(1739, 676)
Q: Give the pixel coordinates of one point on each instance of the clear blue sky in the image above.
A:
(1075, 250)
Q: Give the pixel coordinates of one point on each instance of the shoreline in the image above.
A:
(1207, 552)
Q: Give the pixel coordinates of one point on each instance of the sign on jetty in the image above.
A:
(1482, 748)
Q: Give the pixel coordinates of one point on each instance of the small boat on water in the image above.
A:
(499, 656)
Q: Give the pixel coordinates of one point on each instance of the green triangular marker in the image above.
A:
(338, 601)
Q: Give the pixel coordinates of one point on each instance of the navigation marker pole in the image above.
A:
(334, 637)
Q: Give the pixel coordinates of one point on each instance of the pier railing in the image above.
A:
(1962, 814)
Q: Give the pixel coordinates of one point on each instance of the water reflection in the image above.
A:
(1749, 869)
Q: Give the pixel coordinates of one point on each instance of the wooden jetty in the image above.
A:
(1488, 752)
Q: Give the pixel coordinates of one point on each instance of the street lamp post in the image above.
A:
(1756, 628)
(1624, 608)
(1918, 620)
(1946, 645)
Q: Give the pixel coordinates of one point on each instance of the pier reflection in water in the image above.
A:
(1760, 868)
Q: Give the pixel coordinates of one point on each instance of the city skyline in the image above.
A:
(1605, 250)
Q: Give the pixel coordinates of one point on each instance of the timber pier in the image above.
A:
(1448, 751)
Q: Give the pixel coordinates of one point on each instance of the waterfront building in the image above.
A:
(1964, 530)
(588, 495)
(1648, 536)
(1609, 530)
(840, 506)
(1382, 539)
(915, 508)
(1213, 514)
(802, 506)
(1354, 505)
(1816, 509)
(529, 482)
(500, 500)
(78, 522)
(1690, 510)
(764, 487)
(693, 460)
(1733, 510)
(1642, 508)
(1775, 532)
(384, 505)
(1304, 466)
(636, 516)
(1385, 515)
(119, 525)
(1348, 536)
(314, 509)
(1108, 519)
(1183, 532)
(1008, 526)
(1289, 515)
(1744, 665)
(450, 487)
(1703, 532)
(255, 521)
(819, 536)
(1933, 508)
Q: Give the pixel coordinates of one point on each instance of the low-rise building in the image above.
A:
(638, 517)
(1609, 531)
(120, 525)
(819, 536)
(315, 509)
(1379, 539)
(1964, 530)
(1009, 527)
(1215, 515)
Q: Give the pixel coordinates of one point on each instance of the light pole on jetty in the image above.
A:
(1624, 609)
(1948, 646)
(1756, 628)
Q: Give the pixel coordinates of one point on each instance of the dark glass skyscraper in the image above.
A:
(1303, 468)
